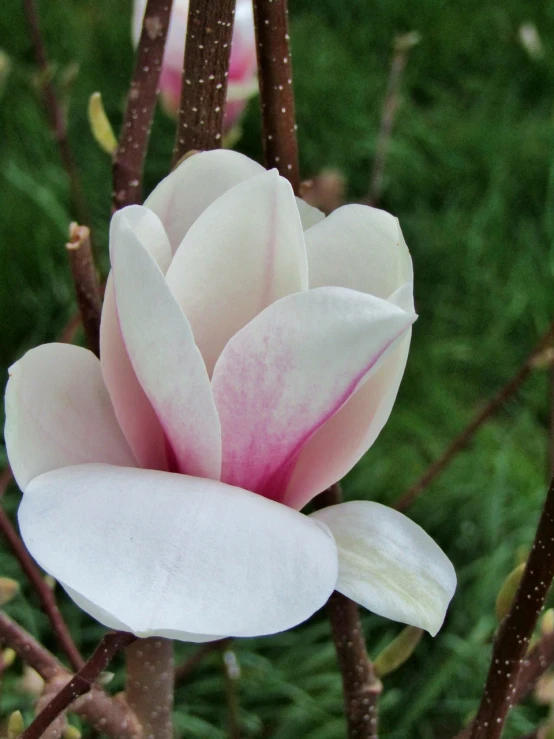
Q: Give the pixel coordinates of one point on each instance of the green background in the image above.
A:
(470, 175)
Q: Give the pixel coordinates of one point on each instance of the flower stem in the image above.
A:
(150, 682)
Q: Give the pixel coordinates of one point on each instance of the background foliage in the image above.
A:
(471, 177)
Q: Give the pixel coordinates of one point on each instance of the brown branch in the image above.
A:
(535, 664)
(81, 683)
(141, 102)
(55, 112)
(402, 46)
(461, 441)
(45, 594)
(112, 715)
(515, 631)
(205, 76)
(361, 686)
(85, 279)
(276, 91)
(184, 670)
(150, 682)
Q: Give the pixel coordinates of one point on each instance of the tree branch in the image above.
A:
(45, 594)
(276, 90)
(515, 631)
(150, 681)
(87, 287)
(141, 102)
(361, 686)
(461, 441)
(81, 683)
(54, 112)
(205, 76)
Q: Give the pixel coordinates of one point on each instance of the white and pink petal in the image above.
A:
(289, 371)
(165, 358)
(243, 253)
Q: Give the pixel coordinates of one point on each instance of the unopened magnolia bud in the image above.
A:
(31, 682)
(507, 592)
(100, 125)
(547, 622)
(8, 657)
(105, 678)
(16, 725)
(72, 732)
(398, 651)
(8, 589)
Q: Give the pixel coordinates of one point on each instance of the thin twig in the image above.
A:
(55, 112)
(231, 675)
(276, 91)
(184, 670)
(461, 441)
(111, 714)
(45, 594)
(535, 664)
(80, 683)
(205, 76)
(141, 102)
(87, 287)
(361, 686)
(402, 46)
(515, 631)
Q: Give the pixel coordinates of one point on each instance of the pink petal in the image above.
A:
(58, 413)
(132, 407)
(244, 252)
(186, 193)
(164, 356)
(289, 371)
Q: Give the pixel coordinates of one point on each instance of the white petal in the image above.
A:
(308, 214)
(164, 553)
(164, 356)
(289, 371)
(184, 194)
(58, 413)
(361, 248)
(242, 254)
(133, 409)
(389, 565)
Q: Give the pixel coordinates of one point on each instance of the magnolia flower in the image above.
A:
(251, 351)
(242, 82)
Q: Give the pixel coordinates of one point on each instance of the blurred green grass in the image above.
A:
(471, 176)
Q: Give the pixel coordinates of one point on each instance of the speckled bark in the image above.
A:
(515, 632)
(149, 688)
(141, 102)
(205, 75)
(276, 91)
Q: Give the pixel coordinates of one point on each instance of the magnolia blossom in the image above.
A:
(251, 351)
(242, 82)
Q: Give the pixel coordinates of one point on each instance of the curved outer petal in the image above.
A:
(165, 553)
(288, 371)
(133, 409)
(361, 248)
(164, 356)
(58, 413)
(194, 185)
(242, 254)
(389, 565)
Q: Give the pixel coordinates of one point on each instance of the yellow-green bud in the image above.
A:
(100, 125)
(8, 589)
(8, 657)
(16, 725)
(71, 732)
(398, 651)
(507, 592)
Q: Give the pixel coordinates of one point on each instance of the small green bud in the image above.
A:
(547, 622)
(8, 657)
(71, 732)
(398, 651)
(8, 589)
(16, 725)
(100, 125)
(507, 592)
